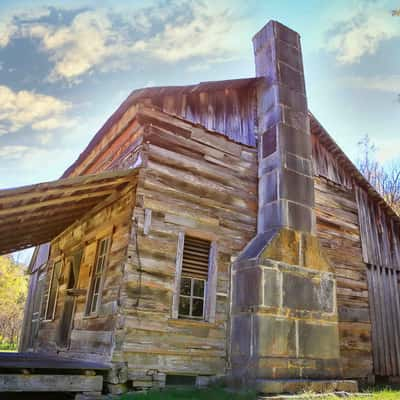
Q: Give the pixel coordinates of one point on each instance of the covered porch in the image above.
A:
(35, 215)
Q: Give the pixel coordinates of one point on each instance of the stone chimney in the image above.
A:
(284, 331)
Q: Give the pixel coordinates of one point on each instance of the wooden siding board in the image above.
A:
(207, 199)
(338, 230)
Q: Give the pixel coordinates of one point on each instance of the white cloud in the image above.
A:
(206, 35)
(7, 31)
(362, 32)
(13, 152)
(389, 83)
(29, 109)
(107, 40)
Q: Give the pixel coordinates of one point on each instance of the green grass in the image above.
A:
(190, 394)
(221, 394)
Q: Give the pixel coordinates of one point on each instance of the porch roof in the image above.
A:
(36, 214)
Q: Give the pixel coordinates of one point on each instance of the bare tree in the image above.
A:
(386, 179)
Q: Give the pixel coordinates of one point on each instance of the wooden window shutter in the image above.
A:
(178, 273)
(212, 284)
(196, 258)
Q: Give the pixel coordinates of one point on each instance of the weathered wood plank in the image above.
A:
(50, 383)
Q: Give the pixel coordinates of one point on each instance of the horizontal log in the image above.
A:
(50, 383)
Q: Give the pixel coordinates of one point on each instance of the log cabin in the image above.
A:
(214, 231)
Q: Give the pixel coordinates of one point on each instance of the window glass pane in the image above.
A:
(184, 306)
(53, 290)
(197, 308)
(94, 303)
(96, 286)
(198, 288)
(185, 286)
(44, 305)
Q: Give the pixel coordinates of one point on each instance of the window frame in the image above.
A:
(47, 292)
(192, 297)
(90, 293)
(210, 295)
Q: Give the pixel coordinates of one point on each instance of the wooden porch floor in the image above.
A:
(40, 372)
(45, 361)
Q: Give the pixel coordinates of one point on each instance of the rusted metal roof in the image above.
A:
(36, 214)
(333, 147)
(232, 102)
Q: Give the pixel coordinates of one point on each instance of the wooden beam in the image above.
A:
(51, 212)
(54, 202)
(32, 223)
(50, 383)
(65, 190)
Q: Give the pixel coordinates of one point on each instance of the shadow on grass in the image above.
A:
(191, 394)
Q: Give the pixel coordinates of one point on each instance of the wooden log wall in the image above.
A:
(91, 337)
(338, 228)
(202, 184)
(338, 231)
(226, 107)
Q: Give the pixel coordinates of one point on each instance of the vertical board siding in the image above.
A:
(230, 111)
(327, 165)
(385, 314)
(380, 233)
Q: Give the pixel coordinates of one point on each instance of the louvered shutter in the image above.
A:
(195, 260)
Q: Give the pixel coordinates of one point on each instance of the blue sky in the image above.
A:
(66, 66)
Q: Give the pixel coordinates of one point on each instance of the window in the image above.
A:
(195, 284)
(191, 299)
(49, 301)
(94, 293)
(196, 253)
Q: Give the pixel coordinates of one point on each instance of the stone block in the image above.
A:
(299, 164)
(285, 247)
(294, 141)
(272, 215)
(241, 336)
(263, 36)
(286, 34)
(296, 119)
(268, 140)
(267, 95)
(289, 54)
(300, 218)
(294, 100)
(304, 293)
(292, 78)
(248, 287)
(270, 118)
(117, 389)
(317, 340)
(270, 163)
(296, 187)
(274, 336)
(268, 188)
(272, 287)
